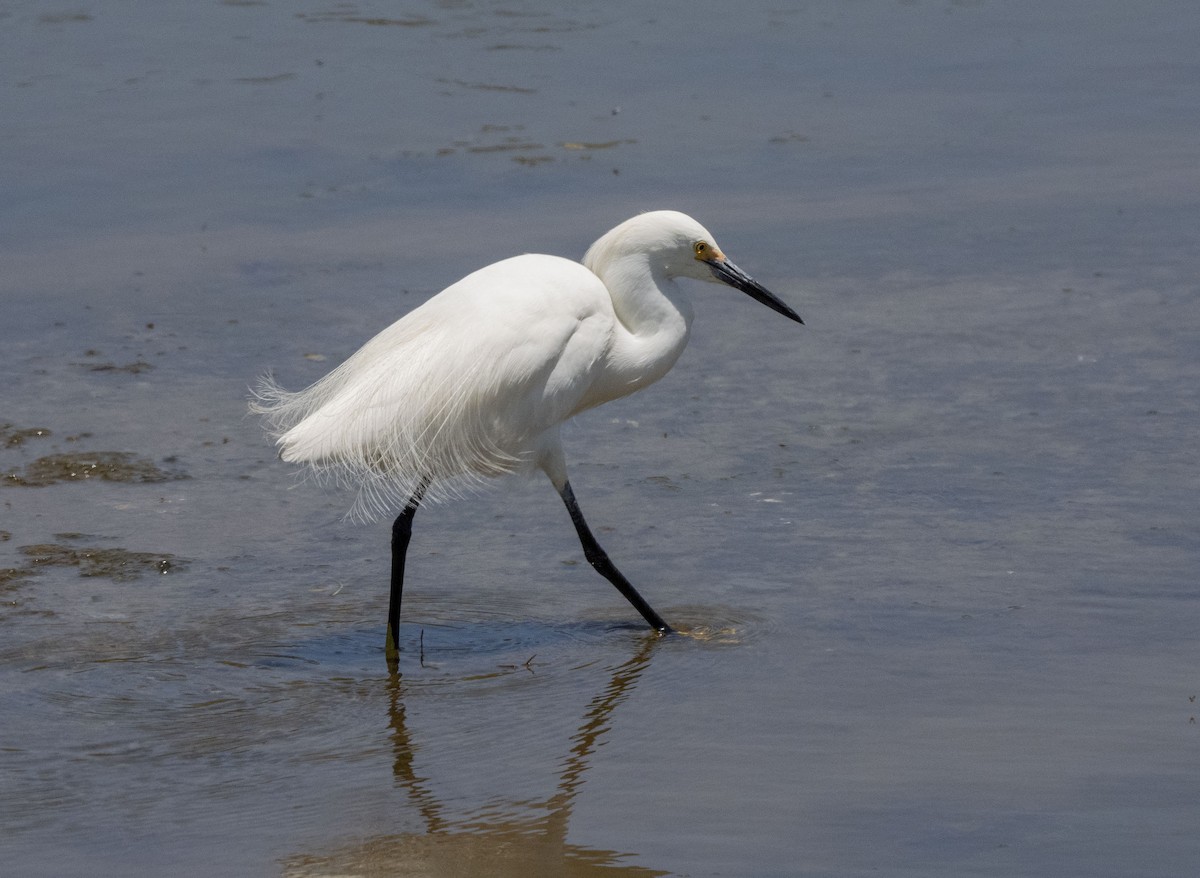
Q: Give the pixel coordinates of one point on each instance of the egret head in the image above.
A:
(722, 270)
(678, 246)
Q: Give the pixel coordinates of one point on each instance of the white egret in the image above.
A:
(477, 381)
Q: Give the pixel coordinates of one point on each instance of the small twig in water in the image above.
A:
(527, 664)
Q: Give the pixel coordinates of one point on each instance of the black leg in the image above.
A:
(599, 559)
(401, 534)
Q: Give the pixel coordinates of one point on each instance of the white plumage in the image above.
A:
(476, 382)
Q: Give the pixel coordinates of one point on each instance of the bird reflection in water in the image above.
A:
(501, 845)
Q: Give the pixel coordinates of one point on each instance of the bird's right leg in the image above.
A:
(600, 561)
(401, 534)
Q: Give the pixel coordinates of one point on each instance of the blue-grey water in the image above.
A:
(938, 550)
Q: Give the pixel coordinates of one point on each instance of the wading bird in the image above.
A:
(477, 381)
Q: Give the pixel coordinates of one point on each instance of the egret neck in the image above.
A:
(654, 319)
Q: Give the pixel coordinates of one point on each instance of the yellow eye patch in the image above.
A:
(705, 251)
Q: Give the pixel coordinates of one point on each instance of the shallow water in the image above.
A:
(935, 553)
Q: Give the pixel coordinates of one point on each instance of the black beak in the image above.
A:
(726, 272)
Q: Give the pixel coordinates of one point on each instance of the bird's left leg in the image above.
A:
(401, 534)
(600, 561)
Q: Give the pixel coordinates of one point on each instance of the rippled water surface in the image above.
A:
(934, 555)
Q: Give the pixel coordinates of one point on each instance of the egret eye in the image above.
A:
(702, 250)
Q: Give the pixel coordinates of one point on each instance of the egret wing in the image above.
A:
(460, 389)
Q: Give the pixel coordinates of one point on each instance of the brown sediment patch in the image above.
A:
(581, 145)
(489, 86)
(350, 17)
(12, 576)
(11, 437)
(265, 80)
(108, 466)
(135, 368)
(490, 140)
(509, 145)
(112, 563)
(63, 17)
